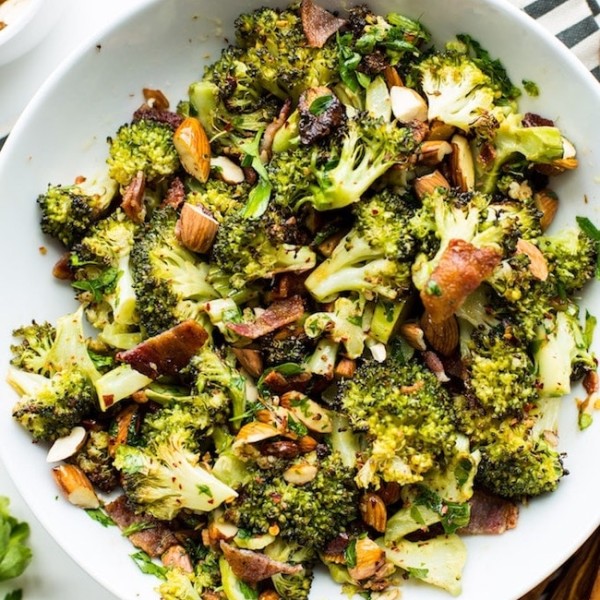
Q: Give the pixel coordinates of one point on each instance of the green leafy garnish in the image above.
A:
(15, 554)
(147, 566)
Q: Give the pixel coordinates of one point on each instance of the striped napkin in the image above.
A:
(576, 23)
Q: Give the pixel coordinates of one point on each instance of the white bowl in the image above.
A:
(164, 46)
(27, 22)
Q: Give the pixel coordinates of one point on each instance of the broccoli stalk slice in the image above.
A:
(561, 347)
(119, 383)
(322, 360)
(540, 144)
(387, 315)
(123, 299)
(168, 478)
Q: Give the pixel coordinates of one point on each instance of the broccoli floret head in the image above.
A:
(95, 461)
(310, 514)
(572, 258)
(165, 477)
(250, 249)
(501, 372)
(368, 148)
(170, 282)
(50, 407)
(374, 257)
(31, 353)
(409, 420)
(67, 212)
(145, 146)
(218, 197)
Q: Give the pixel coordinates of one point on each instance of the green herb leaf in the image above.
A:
(14, 595)
(204, 490)
(321, 105)
(286, 369)
(100, 516)
(105, 283)
(531, 88)
(417, 573)
(350, 554)
(146, 566)
(137, 527)
(348, 61)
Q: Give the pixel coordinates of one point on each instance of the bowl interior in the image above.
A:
(164, 45)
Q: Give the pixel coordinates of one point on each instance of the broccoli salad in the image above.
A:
(332, 322)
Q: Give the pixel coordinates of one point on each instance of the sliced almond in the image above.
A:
(433, 152)
(256, 431)
(68, 445)
(75, 485)
(269, 595)
(546, 201)
(461, 164)
(392, 77)
(155, 99)
(427, 184)
(390, 492)
(414, 335)
(193, 147)
(312, 415)
(369, 558)
(443, 336)
(345, 368)
(407, 104)
(300, 474)
(227, 170)
(196, 229)
(307, 444)
(373, 511)
(537, 262)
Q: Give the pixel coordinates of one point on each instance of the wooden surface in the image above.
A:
(577, 579)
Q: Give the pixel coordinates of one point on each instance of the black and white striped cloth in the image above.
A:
(576, 23)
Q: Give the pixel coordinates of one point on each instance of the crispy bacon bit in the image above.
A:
(280, 313)
(490, 515)
(318, 124)
(133, 198)
(177, 556)
(280, 384)
(154, 539)
(175, 194)
(62, 268)
(158, 115)
(168, 352)
(460, 271)
(318, 24)
(533, 120)
(266, 143)
(253, 567)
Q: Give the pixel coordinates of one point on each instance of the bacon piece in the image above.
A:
(133, 198)
(253, 567)
(460, 271)
(280, 384)
(168, 352)
(154, 539)
(175, 194)
(490, 515)
(278, 314)
(318, 24)
(177, 556)
(158, 115)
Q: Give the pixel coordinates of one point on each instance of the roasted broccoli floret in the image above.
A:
(501, 373)
(67, 212)
(292, 586)
(170, 282)
(102, 273)
(250, 249)
(95, 461)
(409, 421)
(284, 346)
(517, 458)
(276, 49)
(374, 257)
(458, 92)
(145, 146)
(368, 148)
(35, 342)
(165, 477)
(310, 514)
(538, 144)
(219, 198)
(50, 407)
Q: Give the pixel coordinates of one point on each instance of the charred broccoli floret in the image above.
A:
(35, 342)
(409, 421)
(374, 257)
(368, 148)
(310, 515)
(95, 461)
(292, 586)
(67, 212)
(219, 198)
(170, 282)
(145, 146)
(250, 249)
(165, 477)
